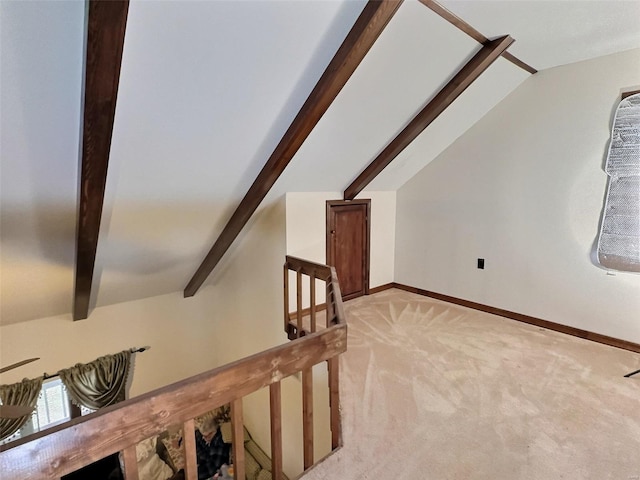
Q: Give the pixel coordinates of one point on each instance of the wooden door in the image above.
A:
(348, 244)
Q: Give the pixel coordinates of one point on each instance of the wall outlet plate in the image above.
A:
(481, 263)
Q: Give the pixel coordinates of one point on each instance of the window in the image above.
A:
(53, 408)
(619, 240)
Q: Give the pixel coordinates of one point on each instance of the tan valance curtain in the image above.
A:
(99, 383)
(24, 393)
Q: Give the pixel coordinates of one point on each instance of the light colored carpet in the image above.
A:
(431, 390)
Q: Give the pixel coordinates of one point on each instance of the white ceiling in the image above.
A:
(207, 89)
(556, 32)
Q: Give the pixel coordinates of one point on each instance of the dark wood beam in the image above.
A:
(106, 25)
(458, 84)
(366, 30)
(459, 23)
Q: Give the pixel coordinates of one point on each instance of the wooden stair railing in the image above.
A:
(66, 448)
(297, 330)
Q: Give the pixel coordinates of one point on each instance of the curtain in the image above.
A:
(24, 393)
(99, 383)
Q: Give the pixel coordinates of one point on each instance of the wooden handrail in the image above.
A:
(315, 271)
(66, 448)
(295, 330)
(321, 272)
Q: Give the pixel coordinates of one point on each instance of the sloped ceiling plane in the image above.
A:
(206, 93)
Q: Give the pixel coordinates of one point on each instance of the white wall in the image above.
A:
(246, 294)
(383, 236)
(306, 233)
(524, 189)
(242, 297)
(180, 333)
(238, 312)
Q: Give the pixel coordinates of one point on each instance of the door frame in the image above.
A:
(367, 247)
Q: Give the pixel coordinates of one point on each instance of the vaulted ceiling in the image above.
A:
(207, 90)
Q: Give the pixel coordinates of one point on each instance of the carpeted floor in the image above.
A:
(431, 390)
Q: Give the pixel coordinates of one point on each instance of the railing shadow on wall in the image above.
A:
(68, 447)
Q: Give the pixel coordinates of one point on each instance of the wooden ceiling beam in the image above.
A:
(106, 24)
(489, 53)
(459, 23)
(366, 30)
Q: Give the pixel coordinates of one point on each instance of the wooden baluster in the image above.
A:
(312, 305)
(307, 416)
(299, 301)
(334, 402)
(286, 298)
(189, 442)
(276, 430)
(330, 306)
(74, 410)
(130, 463)
(238, 439)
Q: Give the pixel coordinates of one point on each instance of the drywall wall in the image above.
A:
(187, 336)
(383, 236)
(524, 190)
(238, 312)
(245, 292)
(306, 233)
(179, 332)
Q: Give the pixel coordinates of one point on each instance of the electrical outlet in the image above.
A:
(481, 263)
